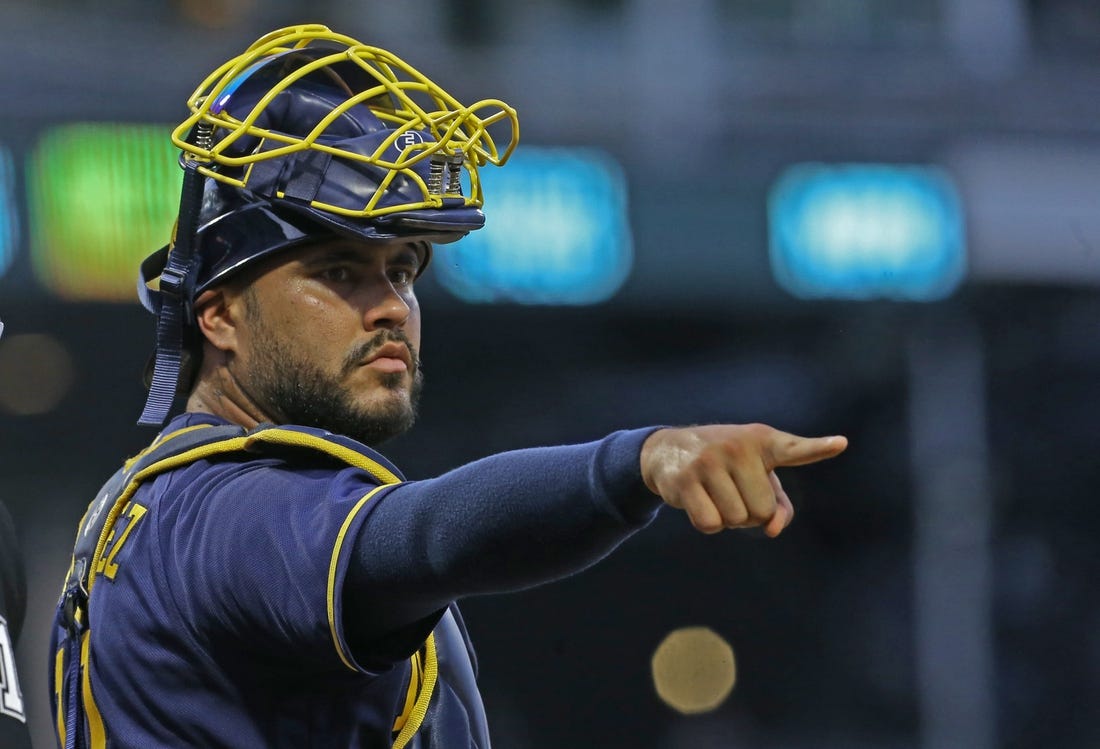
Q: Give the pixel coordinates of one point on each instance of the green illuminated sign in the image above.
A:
(101, 197)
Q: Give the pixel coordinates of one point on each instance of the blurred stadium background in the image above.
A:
(869, 217)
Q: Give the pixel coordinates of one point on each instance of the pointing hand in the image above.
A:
(723, 475)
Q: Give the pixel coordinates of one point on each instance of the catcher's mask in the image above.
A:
(309, 134)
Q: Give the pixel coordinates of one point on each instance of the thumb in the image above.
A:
(792, 450)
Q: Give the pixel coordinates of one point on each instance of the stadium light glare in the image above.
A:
(557, 232)
(866, 231)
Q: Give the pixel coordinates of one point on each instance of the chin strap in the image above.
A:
(173, 300)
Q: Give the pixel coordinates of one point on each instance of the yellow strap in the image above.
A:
(58, 691)
(420, 709)
(229, 445)
(96, 731)
(232, 444)
(161, 440)
(346, 454)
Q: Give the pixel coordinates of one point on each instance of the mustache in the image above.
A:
(365, 349)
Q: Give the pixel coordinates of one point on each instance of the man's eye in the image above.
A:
(402, 276)
(337, 274)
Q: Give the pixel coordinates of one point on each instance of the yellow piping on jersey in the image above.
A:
(332, 565)
(416, 678)
(420, 709)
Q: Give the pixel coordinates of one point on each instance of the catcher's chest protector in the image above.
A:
(108, 516)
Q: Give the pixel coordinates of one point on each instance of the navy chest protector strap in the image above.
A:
(76, 724)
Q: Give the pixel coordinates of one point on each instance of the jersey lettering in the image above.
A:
(107, 564)
(11, 698)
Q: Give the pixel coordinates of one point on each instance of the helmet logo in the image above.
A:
(408, 139)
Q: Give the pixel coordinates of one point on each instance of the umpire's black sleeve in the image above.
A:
(13, 606)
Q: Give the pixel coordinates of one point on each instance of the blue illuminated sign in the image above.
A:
(9, 221)
(856, 231)
(556, 233)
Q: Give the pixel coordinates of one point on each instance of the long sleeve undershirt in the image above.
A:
(506, 522)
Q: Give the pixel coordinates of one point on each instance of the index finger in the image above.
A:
(791, 450)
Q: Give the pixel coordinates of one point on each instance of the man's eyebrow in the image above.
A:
(411, 254)
(334, 255)
(408, 253)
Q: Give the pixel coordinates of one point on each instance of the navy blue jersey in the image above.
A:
(288, 599)
(13, 597)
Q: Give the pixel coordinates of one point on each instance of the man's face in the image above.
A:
(330, 338)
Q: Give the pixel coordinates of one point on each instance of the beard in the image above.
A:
(299, 392)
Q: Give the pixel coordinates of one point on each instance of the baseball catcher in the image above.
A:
(262, 576)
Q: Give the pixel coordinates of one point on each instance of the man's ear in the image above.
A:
(217, 315)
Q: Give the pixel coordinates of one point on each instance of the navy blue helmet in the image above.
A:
(307, 134)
